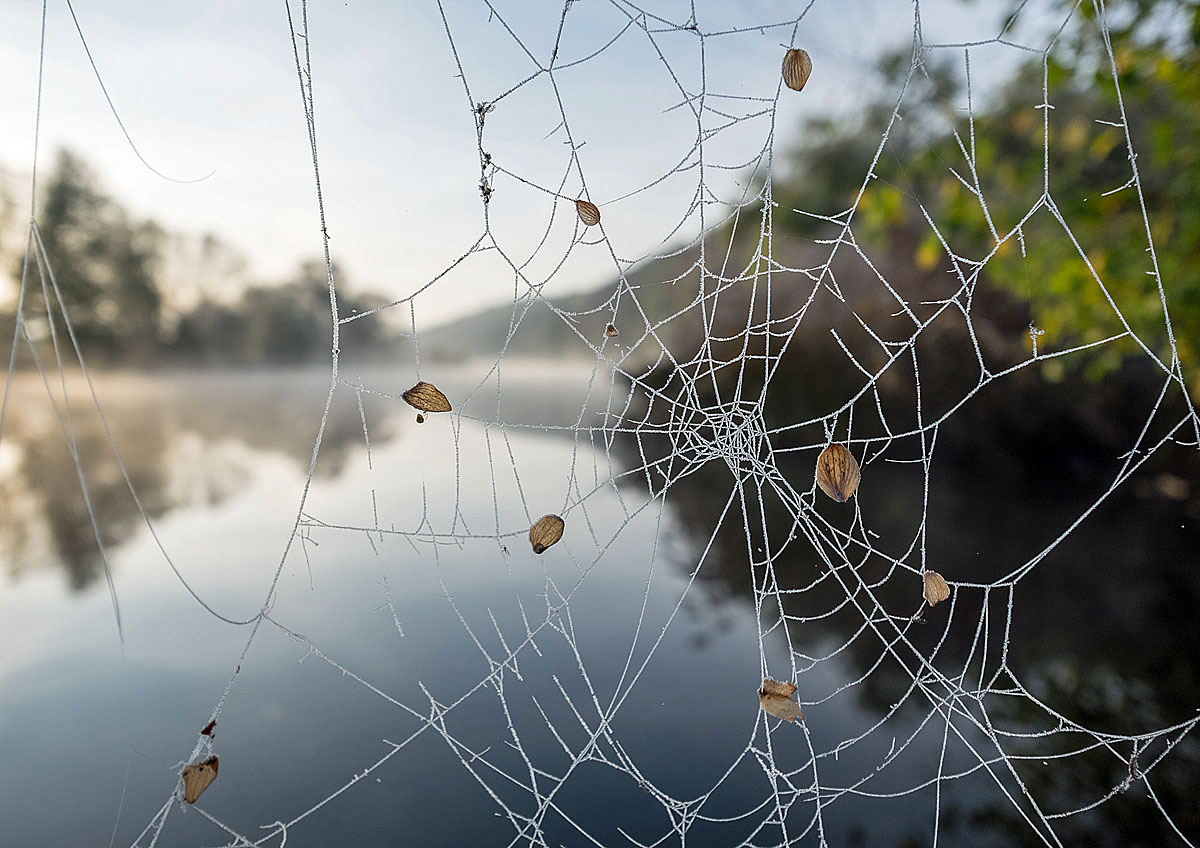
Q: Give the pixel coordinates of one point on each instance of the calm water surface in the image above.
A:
(95, 737)
(401, 600)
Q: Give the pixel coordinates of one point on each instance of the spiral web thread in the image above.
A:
(673, 396)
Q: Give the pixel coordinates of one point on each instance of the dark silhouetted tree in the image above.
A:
(103, 262)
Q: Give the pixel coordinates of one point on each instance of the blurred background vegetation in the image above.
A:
(116, 276)
(1067, 284)
(119, 282)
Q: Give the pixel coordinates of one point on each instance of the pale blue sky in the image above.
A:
(212, 87)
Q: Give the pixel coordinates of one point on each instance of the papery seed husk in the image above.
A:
(589, 213)
(777, 687)
(611, 332)
(545, 532)
(776, 700)
(936, 588)
(797, 66)
(426, 397)
(197, 777)
(838, 473)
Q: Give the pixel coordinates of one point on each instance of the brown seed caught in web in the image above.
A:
(589, 213)
(936, 589)
(776, 700)
(797, 66)
(197, 777)
(420, 418)
(611, 332)
(426, 397)
(209, 729)
(547, 531)
(838, 473)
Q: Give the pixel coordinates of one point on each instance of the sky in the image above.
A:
(211, 88)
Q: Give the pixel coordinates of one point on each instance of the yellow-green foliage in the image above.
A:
(1093, 274)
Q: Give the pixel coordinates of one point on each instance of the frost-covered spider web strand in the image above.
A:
(748, 326)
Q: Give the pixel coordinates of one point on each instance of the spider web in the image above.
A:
(573, 737)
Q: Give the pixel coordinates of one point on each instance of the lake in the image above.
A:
(420, 676)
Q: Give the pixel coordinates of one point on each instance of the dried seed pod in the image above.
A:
(837, 473)
(936, 589)
(796, 69)
(776, 699)
(197, 777)
(589, 213)
(547, 531)
(611, 332)
(426, 397)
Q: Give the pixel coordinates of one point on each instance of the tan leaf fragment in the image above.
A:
(936, 589)
(611, 332)
(426, 397)
(197, 777)
(589, 213)
(838, 474)
(545, 532)
(797, 66)
(776, 700)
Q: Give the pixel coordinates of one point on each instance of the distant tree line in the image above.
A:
(277, 324)
(108, 270)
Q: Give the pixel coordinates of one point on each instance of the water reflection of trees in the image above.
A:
(1105, 628)
(184, 440)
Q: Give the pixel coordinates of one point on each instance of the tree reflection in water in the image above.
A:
(182, 438)
(1105, 628)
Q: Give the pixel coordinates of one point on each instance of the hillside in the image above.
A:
(541, 325)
